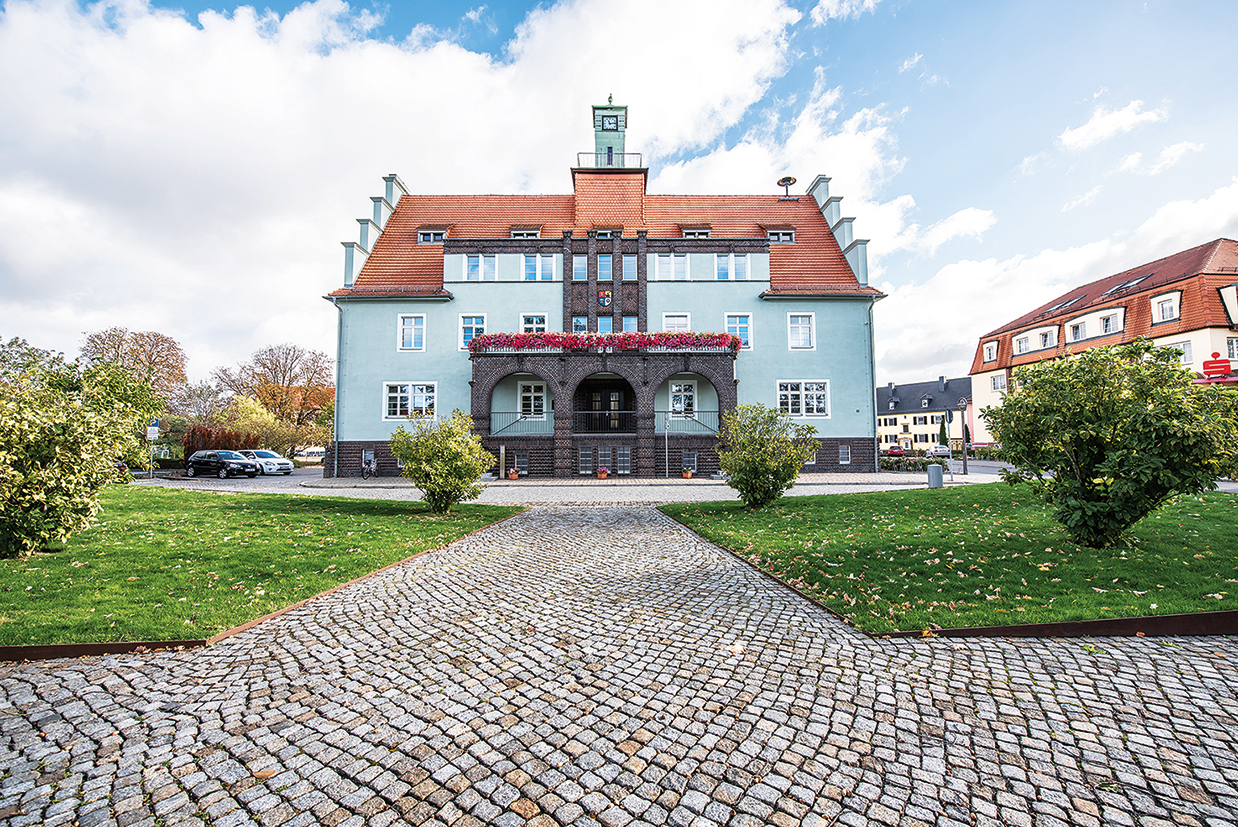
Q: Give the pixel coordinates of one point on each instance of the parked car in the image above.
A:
(894, 451)
(268, 462)
(222, 464)
(939, 451)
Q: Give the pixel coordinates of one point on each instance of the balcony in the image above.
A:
(609, 160)
(696, 423)
(604, 422)
(508, 423)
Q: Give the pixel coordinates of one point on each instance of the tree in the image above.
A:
(203, 403)
(61, 430)
(1111, 433)
(281, 436)
(762, 452)
(445, 460)
(291, 382)
(152, 358)
(942, 437)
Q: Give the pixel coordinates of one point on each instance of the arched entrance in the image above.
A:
(604, 403)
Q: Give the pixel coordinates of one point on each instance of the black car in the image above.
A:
(222, 464)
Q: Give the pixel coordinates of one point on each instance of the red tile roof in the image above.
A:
(814, 264)
(1198, 272)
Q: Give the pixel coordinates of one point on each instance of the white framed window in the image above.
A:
(1023, 344)
(580, 324)
(800, 331)
(630, 324)
(613, 232)
(919, 437)
(606, 324)
(533, 323)
(696, 232)
(623, 459)
(804, 397)
(844, 454)
(539, 267)
(525, 232)
(673, 267)
(740, 324)
(1048, 338)
(1109, 324)
(412, 332)
(580, 268)
(1232, 346)
(409, 400)
(731, 266)
(781, 236)
(605, 263)
(919, 420)
(990, 352)
(1166, 308)
(676, 322)
(998, 382)
(683, 400)
(687, 460)
(430, 236)
(1078, 331)
(629, 268)
(521, 462)
(470, 328)
(584, 460)
(532, 400)
(924, 403)
(1185, 348)
(480, 268)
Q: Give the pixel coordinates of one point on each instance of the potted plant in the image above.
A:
(687, 473)
(513, 473)
(602, 472)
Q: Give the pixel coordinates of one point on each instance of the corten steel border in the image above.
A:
(1178, 625)
(53, 651)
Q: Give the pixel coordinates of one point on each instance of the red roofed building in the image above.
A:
(610, 327)
(1188, 300)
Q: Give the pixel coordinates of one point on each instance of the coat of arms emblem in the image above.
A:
(604, 298)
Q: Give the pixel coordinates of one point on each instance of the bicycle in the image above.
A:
(369, 468)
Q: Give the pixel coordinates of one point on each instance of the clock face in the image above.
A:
(610, 121)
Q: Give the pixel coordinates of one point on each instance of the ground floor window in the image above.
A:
(806, 398)
(521, 462)
(689, 460)
(584, 460)
(409, 399)
(623, 459)
(844, 454)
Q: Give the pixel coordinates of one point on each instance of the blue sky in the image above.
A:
(192, 168)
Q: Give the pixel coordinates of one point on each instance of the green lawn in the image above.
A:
(981, 555)
(169, 565)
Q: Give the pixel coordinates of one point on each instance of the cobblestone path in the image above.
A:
(577, 666)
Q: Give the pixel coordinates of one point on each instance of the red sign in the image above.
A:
(1216, 367)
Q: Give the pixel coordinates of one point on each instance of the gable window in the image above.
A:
(606, 324)
(630, 324)
(672, 267)
(533, 323)
(580, 324)
(539, 268)
(740, 324)
(629, 268)
(604, 267)
(683, 400)
(804, 398)
(998, 382)
(480, 268)
(405, 400)
(532, 400)
(1048, 338)
(1022, 345)
(430, 236)
(1079, 331)
(781, 236)
(676, 322)
(800, 331)
(470, 328)
(412, 332)
(580, 268)
(990, 352)
(1185, 348)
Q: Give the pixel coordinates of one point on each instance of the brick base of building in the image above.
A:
(650, 456)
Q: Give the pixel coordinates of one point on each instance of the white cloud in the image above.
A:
(478, 17)
(968, 222)
(932, 328)
(910, 62)
(1107, 123)
(198, 180)
(1082, 200)
(1031, 162)
(840, 9)
(1169, 156)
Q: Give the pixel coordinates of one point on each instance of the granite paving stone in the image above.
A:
(603, 665)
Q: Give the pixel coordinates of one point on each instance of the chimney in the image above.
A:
(941, 384)
(890, 388)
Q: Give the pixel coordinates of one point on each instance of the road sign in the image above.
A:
(152, 430)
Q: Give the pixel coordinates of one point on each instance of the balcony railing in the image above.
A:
(604, 422)
(507, 423)
(704, 423)
(609, 160)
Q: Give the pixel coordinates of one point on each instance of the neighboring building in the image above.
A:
(535, 314)
(909, 416)
(1188, 300)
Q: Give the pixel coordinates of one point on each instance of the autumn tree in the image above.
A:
(293, 383)
(153, 359)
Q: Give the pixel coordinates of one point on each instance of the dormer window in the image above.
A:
(612, 232)
(696, 232)
(924, 403)
(430, 236)
(990, 352)
(526, 232)
(780, 236)
(1165, 307)
(892, 404)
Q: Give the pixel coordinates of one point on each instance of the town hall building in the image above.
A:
(609, 327)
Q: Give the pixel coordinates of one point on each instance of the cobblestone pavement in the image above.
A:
(604, 665)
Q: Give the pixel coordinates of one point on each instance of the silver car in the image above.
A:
(269, 462)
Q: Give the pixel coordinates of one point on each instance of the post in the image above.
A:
(502, 461)
(963, 425)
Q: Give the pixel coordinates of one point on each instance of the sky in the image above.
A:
(192, 168)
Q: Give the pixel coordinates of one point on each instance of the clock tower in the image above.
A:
(609, 123)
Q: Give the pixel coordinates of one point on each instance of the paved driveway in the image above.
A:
(585, 665)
